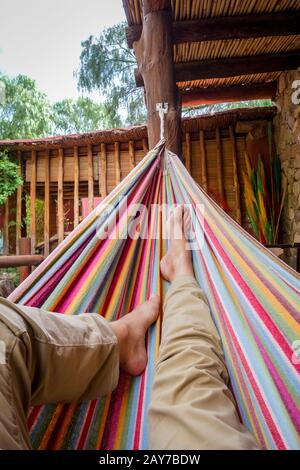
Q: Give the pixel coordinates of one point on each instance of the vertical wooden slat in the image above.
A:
(76, 187)
(60, 195)
(103, 185)
(131, 154)
(203, 160)
(47, 205)
(33, 202)
(117, 163)
(188, 154)
(145, 145)
(219, 164)
(236, 183)
(19, 205)
(6, 228)
(24, 249)
(90, 179)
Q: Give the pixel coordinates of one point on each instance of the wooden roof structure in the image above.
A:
(221, 50)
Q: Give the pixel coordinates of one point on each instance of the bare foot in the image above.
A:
(178, 260)
(131, 331)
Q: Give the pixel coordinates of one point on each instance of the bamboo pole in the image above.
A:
(33, 202)
(203, 160)
(117, 163)
(76, 187)
(219, 163)
(188, 155)
(47, 205)
(103, 182)
(236, 183)
(60, 195)
(131, 154)
(90, 179)
(19, 204)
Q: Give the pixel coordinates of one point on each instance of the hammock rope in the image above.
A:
(253, 296)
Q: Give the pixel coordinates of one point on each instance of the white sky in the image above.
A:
(41, 39)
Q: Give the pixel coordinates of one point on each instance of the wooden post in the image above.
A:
(203, 160)
(90, 179)
(102, 178)
(236, 184)
(6, 228)
(24, 249)
(131, 154)
(117, 163)
(19, 204)
(219, 164)
(60, 195)
(33, 202)
(76, 187)
(47, 205)
(188, 155)
(145, 146)
(154, 52)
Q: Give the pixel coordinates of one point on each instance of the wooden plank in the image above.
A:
(90, 180)
(203, 160)
(76, 187)
(60, 195)
(230, 27)
(47, 205)
(131, 154)
(236, 184)
(226, 94)
(145, 146)
(219, 164)
(117, 163)
(188, 154)
(102, 178)
(6, 228)
(24, 249)
(232, 67)
(33, 202)
(19, 205)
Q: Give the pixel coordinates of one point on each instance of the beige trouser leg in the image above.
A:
(192, 406)
(47, 358)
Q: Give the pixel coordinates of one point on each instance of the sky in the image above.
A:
(42, 39)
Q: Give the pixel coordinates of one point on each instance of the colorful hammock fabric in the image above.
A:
(254, 299)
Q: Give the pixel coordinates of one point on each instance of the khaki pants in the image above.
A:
(47, 358)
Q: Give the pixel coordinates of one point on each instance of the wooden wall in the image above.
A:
(63, 175)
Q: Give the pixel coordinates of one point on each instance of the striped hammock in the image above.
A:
(254, 299)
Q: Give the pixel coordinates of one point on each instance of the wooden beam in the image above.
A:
(6, 228)
(47, 205)
(154, 53)
(203, 161)
(219, 164)
(225, 94)
(19, 204)
(236, 184)
(21, 260)
(24, 249)
(60, 195)
(33, 202)
(117, 163)
(76, 186)
(232, 67)
(145, 146)
(228, 27)
(103, 182)
(131, 154)
(188, 152)
(90, 179)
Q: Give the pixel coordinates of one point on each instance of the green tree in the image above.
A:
(107, 65)
(25, 112)
(9, 177)
(81, 115)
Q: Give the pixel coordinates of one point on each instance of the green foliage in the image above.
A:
(9, 177)
(39, 216)
(107, 65)
(25, 112)
(81, 115)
